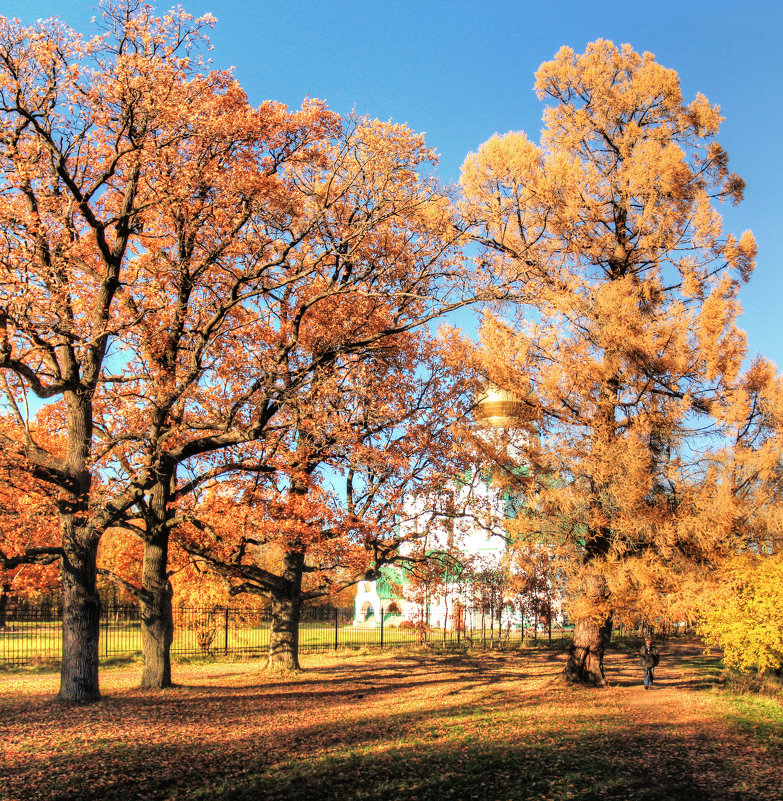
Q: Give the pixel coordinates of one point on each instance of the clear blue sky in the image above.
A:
(461, 70)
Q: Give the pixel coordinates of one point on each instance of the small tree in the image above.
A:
(531, 577)
(742, 612)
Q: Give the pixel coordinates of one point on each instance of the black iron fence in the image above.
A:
(33, 633)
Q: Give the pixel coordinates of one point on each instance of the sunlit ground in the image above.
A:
(491, 726)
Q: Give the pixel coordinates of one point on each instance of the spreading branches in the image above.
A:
(622, 340)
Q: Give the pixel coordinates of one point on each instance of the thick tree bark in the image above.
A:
(591, 634)
(157, 621)
(81, 605)
(286, 614)
(157, 624)
(284, 635)
(586, 655)
(591, 637)
(81, 619)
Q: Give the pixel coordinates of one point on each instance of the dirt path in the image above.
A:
(685, 722)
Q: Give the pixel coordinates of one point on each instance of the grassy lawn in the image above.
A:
(401, 725)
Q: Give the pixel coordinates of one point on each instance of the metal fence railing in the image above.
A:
(33, 633)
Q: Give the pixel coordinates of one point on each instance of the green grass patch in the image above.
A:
(40, 664)
(758, 716)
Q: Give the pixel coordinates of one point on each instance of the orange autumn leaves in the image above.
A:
(654, 449)
(198, 286)
(222, 299)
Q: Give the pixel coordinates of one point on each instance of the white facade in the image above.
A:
(466, 520)
(467, 516)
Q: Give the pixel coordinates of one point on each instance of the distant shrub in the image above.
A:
(415, 625)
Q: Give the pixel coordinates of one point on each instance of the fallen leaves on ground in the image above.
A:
(495, 726)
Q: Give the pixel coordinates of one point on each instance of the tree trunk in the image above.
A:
(284, 635)
(591, 638)
(81, 620)
(4, 592)
(286, 614)
(157, 620)
(586, 655)
(157, 623)
(81, 604)
(549, 620)
(535, 618)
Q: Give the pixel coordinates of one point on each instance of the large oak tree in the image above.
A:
(327, 505)
(355, 249)
(86, 129)
(95, 133)
(178, 268)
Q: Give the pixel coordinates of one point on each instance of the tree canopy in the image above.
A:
(180, 269)
(622, 338)
(224, 310)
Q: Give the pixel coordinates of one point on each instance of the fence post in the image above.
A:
(225, 630)
(381, 626)
(105, 612)
(336, 614)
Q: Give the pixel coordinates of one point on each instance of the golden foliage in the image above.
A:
(621, 330)
(741, 611)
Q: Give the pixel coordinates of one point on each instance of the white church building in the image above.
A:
(467, 517)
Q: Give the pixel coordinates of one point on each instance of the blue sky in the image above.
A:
(461, 70)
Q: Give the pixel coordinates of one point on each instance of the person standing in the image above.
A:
(649, 657)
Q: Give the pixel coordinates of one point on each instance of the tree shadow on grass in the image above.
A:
(226, 705)
(311, 739)
(437, 754)
(623, 765)
(326, 762)
(404, 674)
(455, 752)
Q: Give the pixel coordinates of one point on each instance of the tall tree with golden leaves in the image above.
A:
(622, 334)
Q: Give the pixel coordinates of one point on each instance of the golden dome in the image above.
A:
(499, 408)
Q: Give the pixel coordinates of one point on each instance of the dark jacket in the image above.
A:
(649, 656)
